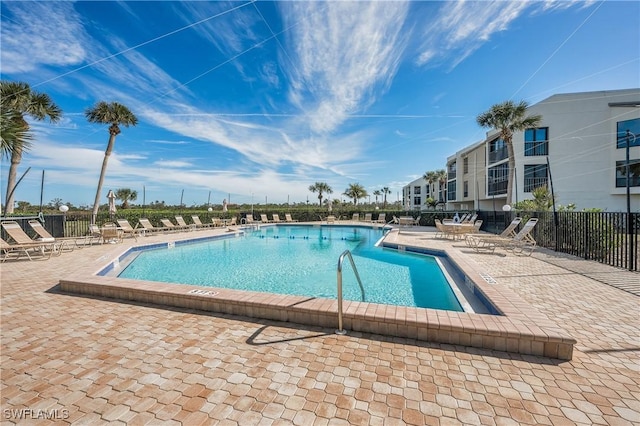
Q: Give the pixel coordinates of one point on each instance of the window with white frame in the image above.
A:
(497, 179)
(536, 141)
(634, 173)
(535, 176)
(633, 137)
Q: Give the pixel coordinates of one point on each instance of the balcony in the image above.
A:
(531, 183)
(536, 148)
(498, 155)
(497, 188)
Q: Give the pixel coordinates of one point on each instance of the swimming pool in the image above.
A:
(494, 317)
(300, 260)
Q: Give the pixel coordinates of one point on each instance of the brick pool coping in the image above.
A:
(520, 328)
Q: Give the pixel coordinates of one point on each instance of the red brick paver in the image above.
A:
(95, 361)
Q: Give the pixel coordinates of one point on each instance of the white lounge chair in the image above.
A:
(287, 218)
(520, 243)
(196, 220)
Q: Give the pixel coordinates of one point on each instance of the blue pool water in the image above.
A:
(301, 260)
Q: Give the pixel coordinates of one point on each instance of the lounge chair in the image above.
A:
(331, 219)
(17, 234)
(249, 220)
(520, 243)
(198, 223)
(263, 218)
(216, 222)
(508, 232)
(470, 218)
(127, 229)
(367, 217)
(287, 218)
(382, 218)
(45, 236)
(184, 225)
(233, 222)
(9, 249)
(171, 226)
(148, 226)
(276, 218)
(355, 217)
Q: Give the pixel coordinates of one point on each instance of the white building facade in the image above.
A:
(579, 151)
(416, 193)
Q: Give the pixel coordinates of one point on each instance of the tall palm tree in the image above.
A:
(17, 101)
(116, 115)
(385, 191)
(126, 194)
(355, 191)
(436, 176)
(321, 188)
(508, 118)
(377, 193)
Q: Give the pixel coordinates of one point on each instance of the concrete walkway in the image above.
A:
(93, 361)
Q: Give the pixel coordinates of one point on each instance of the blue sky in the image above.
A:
(259, 100)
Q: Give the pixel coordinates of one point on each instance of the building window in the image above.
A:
(416, 190)
(465, 165)
(535, 176)
(417, 201)
(451, 190)
(497, 151)
(634, 173)
(451, 170)
(633, 126)
(497, 179)
(536, 141)
(466, 188)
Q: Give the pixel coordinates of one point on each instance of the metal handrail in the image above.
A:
(347, 253)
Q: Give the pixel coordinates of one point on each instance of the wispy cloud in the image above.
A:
(29, 40)
(460, 28)
(173, 163)
(345, 53)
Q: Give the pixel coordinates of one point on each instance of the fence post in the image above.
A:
(631, 238)
(585, 236)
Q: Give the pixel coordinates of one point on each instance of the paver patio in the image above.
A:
(94, 361)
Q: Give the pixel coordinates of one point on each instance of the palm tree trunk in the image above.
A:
(103, 171)
(512, 168)
(16, 157)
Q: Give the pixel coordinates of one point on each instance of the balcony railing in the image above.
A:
(621, 182)
(497, 188)
(498, 155)
(536, 148)
(531, 183)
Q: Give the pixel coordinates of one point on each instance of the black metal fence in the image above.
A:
(609, 238)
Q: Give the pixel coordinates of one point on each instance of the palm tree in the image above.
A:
(116, 115)
(386, 191)
(321, 188)
(436, 176)
(377, 193)
(126, 194)
(17, 101)
(355, 191)
(508, 118)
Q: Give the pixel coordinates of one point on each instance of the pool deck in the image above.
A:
(92, 360)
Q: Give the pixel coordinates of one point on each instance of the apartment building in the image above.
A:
(579, 150)
(416, 193)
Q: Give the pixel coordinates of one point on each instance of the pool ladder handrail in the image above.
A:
(346, 253)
